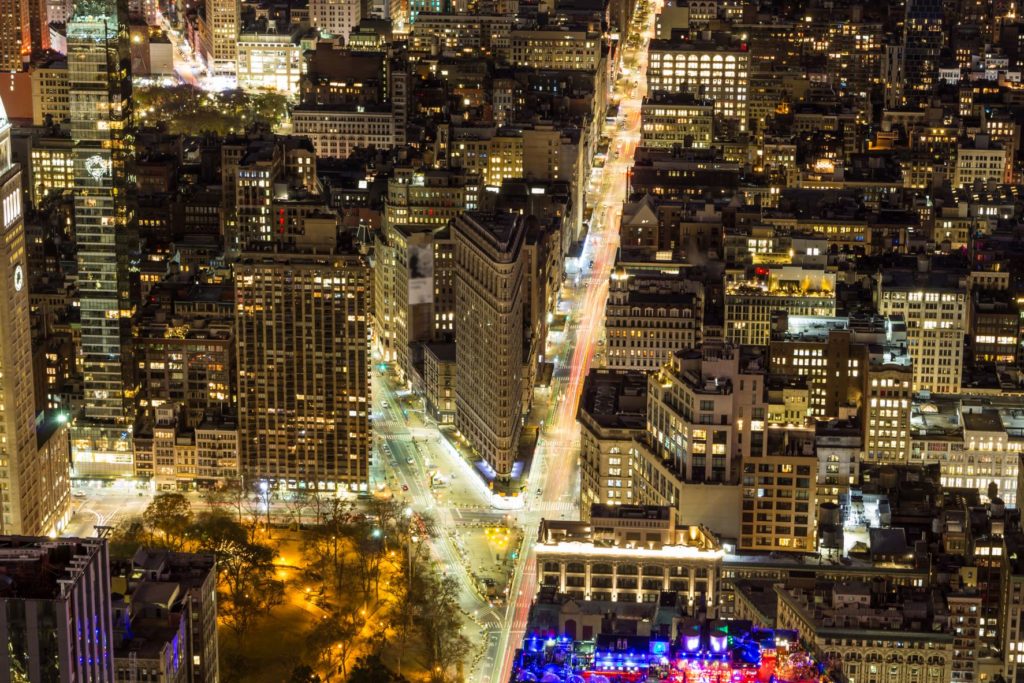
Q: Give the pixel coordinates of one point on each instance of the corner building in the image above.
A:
(490, 268)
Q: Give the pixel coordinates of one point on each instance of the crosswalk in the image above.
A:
(553, 509)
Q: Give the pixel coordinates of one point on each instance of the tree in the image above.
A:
(296, 502)
(408, 599)
(217, 531)
(370, 669)
(440, 624)
(333, 638)
(126, 538)
(325, 546)
(246, 569)
(368, 543)
(170, 514)
(303, 673)
(231, 495)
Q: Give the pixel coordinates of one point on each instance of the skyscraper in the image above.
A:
(101, 116)
(303, 367)
(34, 485)
(19, 28)
(923, 39)
(490, 291)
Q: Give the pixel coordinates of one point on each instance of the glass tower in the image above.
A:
(99, 68)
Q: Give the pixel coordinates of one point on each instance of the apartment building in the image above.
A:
(753, 298)
(303, 321)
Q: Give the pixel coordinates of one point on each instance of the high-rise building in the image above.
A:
(23, 27)
(56, 595)
(923, 40)
(222, 27)
(304, 367)
(415, 306)
(101, 113)
(34, 484)
(935, 305)
(490, 291)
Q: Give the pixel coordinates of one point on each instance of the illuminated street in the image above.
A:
(555, 472)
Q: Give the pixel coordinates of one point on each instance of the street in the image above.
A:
(556, 470)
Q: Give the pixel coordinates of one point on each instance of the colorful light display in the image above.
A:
(718, 652)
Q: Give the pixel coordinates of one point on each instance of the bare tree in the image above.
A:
(296, 502)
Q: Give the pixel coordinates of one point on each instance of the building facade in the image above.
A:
(490, 290)
(34, 478)
(101, 117)
(302, 322)
(58, 597)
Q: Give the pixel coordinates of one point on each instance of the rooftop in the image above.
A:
(39, 568)
(615, 400)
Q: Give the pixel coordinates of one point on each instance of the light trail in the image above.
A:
(554, 470)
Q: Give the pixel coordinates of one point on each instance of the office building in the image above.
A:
(935, 305)
(651, 314)
(439, 381)
(417, 306)
(670, 119)
(706, 415)
(34, 481)
(490, 291)
(50, 91)
(854, 367)
(302, 321)
(554, 48)
(629, 553)
(981, 160)
(900, 637)
(339, 131)
(612, 416)
(222, 24)
(995, 327)
(335, 17)
(101, 119)
(717, 70)
(270, 57)
(56, 594)
(19, 23)
(780, 502)
(918, 56)
(47, 159)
